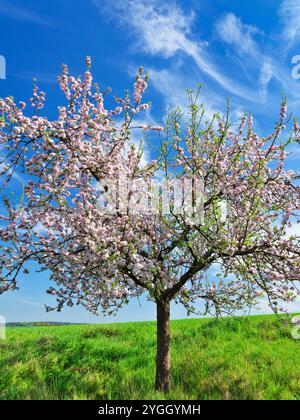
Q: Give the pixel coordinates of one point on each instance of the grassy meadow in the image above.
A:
(234, 358)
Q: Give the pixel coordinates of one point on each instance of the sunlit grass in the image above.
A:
(236, 358)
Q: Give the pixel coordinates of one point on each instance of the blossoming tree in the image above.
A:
(101, 251)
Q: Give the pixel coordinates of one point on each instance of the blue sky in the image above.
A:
(237, 50)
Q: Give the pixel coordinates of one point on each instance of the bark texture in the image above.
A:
(163, 357)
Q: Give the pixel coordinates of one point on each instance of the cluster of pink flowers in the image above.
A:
(101, 259)
(139, 87)
(37, 100)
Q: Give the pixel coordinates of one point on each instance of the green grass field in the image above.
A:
(234, 358)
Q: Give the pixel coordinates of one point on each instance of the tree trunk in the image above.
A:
(163, 359)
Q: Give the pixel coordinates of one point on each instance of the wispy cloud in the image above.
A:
(160, 28)
(259, 61)
(266, 75)
(254, 62)
(249, 70)
(233, 31)
(289, 13)
(30, 303)
(173, 86)
(163, 29)
(14, 11)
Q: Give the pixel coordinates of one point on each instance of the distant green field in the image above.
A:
(234, 358)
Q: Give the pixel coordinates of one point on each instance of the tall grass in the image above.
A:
(234, 358)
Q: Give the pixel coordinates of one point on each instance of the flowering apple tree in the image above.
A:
(82, 215)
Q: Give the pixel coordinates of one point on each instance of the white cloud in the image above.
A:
(30, 303)
(289, 13)
(233, 31)
(261, 65)
(266, 76)
(162, 28)
(170, 85)
(173, 87)
(240, 36)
